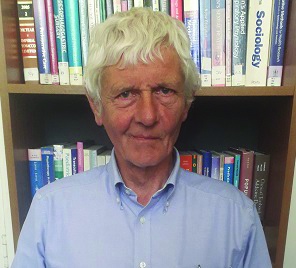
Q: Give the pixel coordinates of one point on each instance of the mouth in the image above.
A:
(144, 137)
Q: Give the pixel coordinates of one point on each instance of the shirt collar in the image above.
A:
(116, 179)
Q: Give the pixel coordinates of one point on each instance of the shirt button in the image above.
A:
(142, 264)
(142, 220)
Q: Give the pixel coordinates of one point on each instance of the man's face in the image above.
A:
(143, 107)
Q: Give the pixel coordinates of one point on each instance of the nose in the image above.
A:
(146, 113)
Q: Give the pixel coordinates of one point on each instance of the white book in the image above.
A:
(228, 38)
(91, 9)
(138, 3)
(86, 158)
(259, 24)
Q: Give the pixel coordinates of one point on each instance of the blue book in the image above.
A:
(70, 160)
(191, 20)
(228, 168)
(61, 40)
(74, 41)
(236, 167)
(215, 168)
(35, 167)
(42, 42)
(239, 41)
(205, 43)
(47, 164)
(206, 162)
(277, 42)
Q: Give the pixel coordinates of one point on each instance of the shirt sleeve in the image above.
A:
(30, 249)
(256, 253)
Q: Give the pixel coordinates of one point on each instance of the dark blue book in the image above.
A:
(47, 164)
(206, 163)
(228, 168)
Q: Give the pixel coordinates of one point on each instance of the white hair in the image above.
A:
(133, 36)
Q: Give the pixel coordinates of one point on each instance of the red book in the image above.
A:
(177, 9)
(186, 161)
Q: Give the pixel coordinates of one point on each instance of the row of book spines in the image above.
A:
(246, 169)
(49, 163)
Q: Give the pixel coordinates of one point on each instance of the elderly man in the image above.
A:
(141, 209)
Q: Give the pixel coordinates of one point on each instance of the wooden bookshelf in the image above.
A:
(263, 118)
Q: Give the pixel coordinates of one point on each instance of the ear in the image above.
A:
(95, 109)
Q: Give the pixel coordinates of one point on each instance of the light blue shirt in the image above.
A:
(91, 220)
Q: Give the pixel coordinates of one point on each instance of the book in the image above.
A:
(138, 3)
(177, 9)
(239, 41)
(221, 167)
(228, 168)
(80, 153)
(116, 6)
(191, 21)
(74, 41)
(42, 42)
(70, 163)
(52, 42)
(236, 167)
(91, 11)
(35, 168)
(215, 166)
(246, 170)
(205, 43)
(47, 164)
(198, 163)
(218, 42)
(28, 40)
(93, 152)
(228, 41)
(194, 161)
(260, 179)
(101, 158)
(186, 160)
(130, 4)
(101, 10)
(61, 41)
(277, 42)
(259, 22)
(206, 162)
(164, 6)
(58, 161)
(84, 32)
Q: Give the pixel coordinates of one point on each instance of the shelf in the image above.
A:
(208, 91)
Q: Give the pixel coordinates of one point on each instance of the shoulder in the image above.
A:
(74, 184)
(214, 190)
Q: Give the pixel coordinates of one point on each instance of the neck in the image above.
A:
(145, 182)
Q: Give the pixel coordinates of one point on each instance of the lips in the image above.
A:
(144, 137)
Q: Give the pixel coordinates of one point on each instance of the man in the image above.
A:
(141, 210)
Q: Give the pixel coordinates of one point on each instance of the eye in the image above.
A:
(124, 95)
(164, 91)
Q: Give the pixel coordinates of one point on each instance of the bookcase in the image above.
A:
(262, 118)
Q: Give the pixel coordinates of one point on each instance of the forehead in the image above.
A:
(156, 71)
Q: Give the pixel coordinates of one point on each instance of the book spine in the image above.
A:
(86, 162)
(109, 8)
(191, 20)
(258, 42)
(155, 5)
(28, 41)
(228, 169)
(215, 168)
(236, 170)
(84, 33)
(277, 44)
(74, 47)
(42, 42)
(130, 4)
(147, 3)
(206, 163)
(93, 158)
(218, 42)
(116, 6)
(47, 165)
(246, 174)
(177, 9)
(35, 167)
(222, 161)
(74, 161)
(61, 41)
(102, 10)
(123, 5)
(260, 178)
(58, 161)
(91, 10)
(205, 43)
(52, 42)
(186, 161)
(67, 163)
(80, 157)
(199, 164)
(101, 159)
(228, 39)
(138, 3)
(164, 6)
(194, 162)
(239, 41)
